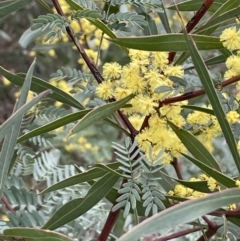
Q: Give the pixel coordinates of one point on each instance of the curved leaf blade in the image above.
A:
(99, 114)
(7, 7)
(11, 127)
(20, 113)
(213, 23)
(200, 186)
(176, 215)
(96, 172)
(38, 85)
(195, 5)
(195, 147)
(197, 108)
(79, 206)
(54, 125)
(218, 176)
(168, 42)
(32, 234)
(213, 98)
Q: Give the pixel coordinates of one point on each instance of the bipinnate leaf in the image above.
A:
(182, 213)
(38, 85)
(28, 234)
(7, 7)
(99, 114)
(195, 147)
(213, 97)
(168, 42)
(79, 206)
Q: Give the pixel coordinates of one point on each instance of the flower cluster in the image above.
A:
(204, 126)
(230, 38)
(145, 72)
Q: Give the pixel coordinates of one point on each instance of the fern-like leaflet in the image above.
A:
(141, 183)
(127, 17)
(87, 13)
(152, 197)
(55, 23)
(151, 3)
(73, 75)
(129, 157)
(88, 4)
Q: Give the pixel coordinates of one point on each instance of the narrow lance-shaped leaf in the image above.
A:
(96, 172)
(215, 22)
(195, 5)
(32, 234)
(38, 85)
(79, 206)
(7, 7)
(176, 215)
(200, 186)
(195, 147)
(226, 6)
(20, 113)
(11, 127)
(218, 176)
(213, 98)
(168, 42)
(54, 125)
(197, 108)
(98, 114)
(64, 121)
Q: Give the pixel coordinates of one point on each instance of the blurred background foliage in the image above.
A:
(93, 144)
(90, 146)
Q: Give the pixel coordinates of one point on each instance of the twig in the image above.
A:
(188, 96)
(193, 22)
(7, 204)
(179, 234)
(93, 68)
(176, 166)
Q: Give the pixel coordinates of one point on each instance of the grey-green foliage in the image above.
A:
(127, 17)
(41, 164)
(87, 13)
(140, 184)
(34, 211)
(55, 24)
(151, 195)
(135, 2)
(72, 75)
(87, 4)
(51, 113)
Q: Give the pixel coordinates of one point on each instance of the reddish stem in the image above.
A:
(176, 166)
(193, 22)
(7, 204)
(188, 96)
(196, 93)
(179, 234)
(112, 217)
